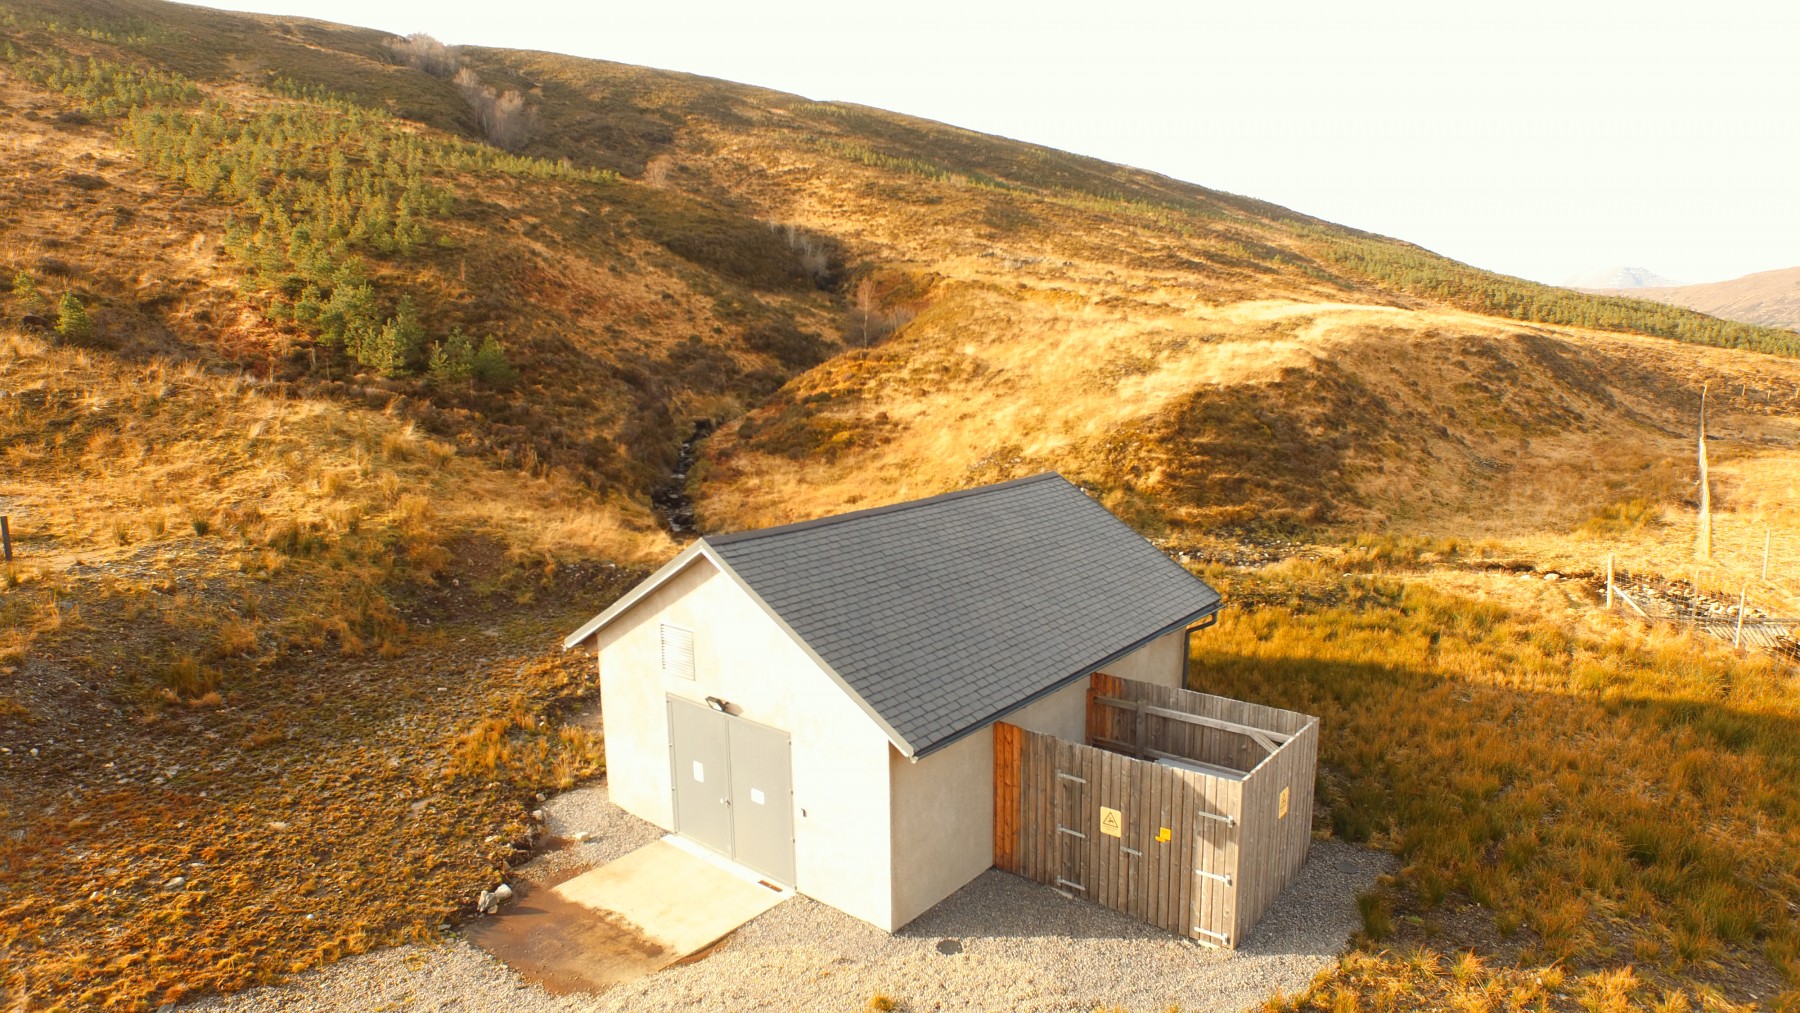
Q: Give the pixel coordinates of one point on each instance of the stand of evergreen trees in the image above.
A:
(1422, 273)
(319, 187)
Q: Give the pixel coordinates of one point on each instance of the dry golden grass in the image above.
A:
(247, 557)
(98, 447)
(576, 276)
(1421, 978)
(327, 825)
(1258, 415)
(516, 740)
(1564, 791)
(270, 636)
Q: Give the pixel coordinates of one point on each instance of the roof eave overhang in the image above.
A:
(701, 550)
(645, 588)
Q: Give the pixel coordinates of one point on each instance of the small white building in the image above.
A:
(817, 700)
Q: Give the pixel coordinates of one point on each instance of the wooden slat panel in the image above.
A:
(1062, 849)
(1202, 830)
(1204, 857)
(1130, 866)
(1118, 878)
(1222, 835)
(1007, 742)
(1231, 841)
(1106, 853)
(1249, 872)
(1131, 902)
(1041, 810)
(1106, 846)
(1181, 869)
(1081, 818)
(1235, 846)
(1093, 850)
(1101, 721)
(1158, 852)
(1030, 783)
(1056, 757)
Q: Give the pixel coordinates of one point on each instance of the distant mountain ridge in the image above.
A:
(1766, 298)
(1616, 278)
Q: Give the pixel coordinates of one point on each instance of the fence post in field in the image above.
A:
(1766, 536)
(1609, 581)
(1703, 542)
(1737, 639)
(5, 539)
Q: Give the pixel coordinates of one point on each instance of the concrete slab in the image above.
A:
(682, 900)
(656, 906)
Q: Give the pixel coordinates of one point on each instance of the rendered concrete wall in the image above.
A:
(1161, 662)
(943, 805)
(841, 828)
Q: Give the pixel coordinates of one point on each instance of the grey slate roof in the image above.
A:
(943, 614)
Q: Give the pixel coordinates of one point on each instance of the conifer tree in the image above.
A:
(490, 365)
(26, 292)
(71, 318)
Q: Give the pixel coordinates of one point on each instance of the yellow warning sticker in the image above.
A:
(1282, 815)
(1112, 822)
(1163, 835)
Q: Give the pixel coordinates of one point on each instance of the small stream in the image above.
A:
(671, 498)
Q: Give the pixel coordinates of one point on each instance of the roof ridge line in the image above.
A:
(820, 522)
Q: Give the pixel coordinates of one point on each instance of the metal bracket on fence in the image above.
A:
(1073, 886)
(1131, 851)
(1220, 936)
(1065, 775)
(1230, 821)
(1213, 875)
(1065, 830)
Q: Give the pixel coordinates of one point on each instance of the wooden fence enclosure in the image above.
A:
(1188, 811)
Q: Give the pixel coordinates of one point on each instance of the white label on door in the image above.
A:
(756, 796)
(699, 772)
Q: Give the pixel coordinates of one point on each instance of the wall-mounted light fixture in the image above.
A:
(717, 704)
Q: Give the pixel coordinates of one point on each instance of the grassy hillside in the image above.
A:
(1768, 298)
(337, 374)
(283, 649)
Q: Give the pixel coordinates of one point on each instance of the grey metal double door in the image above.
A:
(733, 784)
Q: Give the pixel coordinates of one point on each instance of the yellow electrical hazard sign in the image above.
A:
(1163, 835)
(1282, 815)
(1112, 822)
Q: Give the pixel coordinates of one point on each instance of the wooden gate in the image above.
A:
(1163, 844)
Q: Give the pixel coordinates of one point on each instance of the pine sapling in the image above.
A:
(72, 319)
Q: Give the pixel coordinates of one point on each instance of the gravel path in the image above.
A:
(1000, 943)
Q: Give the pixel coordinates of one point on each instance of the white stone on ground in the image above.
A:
(1012, 944)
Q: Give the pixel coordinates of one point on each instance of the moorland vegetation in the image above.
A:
(338, 370)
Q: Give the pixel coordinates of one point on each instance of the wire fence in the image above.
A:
(1686, 604)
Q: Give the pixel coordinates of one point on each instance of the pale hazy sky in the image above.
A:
(1543, 139)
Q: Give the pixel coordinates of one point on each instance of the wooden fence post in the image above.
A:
(1609, 581)
(1703, 538)
(1737, 639)
(5, 538)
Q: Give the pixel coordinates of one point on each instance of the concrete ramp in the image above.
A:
(657, 906)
